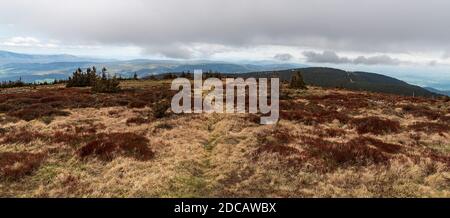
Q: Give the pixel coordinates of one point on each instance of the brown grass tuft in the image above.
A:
(421, 111)
(16, 165)
(355, 152)
(274, 140)
(107, 146)
(36, 111)
(430, 127)
(310, 114)
(375, 125)
(22, 136)
(137, 120)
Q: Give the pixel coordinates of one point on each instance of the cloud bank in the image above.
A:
(172, 27)
(330, 57)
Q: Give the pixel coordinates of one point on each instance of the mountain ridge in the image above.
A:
(352, 80)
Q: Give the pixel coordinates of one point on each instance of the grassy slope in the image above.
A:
(227, 155)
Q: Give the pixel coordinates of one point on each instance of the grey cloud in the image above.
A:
(433, 63)
(376, 60)
(446, 55)
(333, 58)
(283, 57)
(353, 25)
(170, 51)
(325, 57)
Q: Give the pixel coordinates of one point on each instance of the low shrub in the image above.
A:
(354, 152)
(160, 109)
(421, 111)
(16, 165)
(36, 111)
(430, 127)
(375, 125)
(22, 136)
(274, 140)
(106, 85)
(107, 146)
(137, 120)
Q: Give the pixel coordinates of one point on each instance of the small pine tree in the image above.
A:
(106, 85)
(135, 76)
(297, 81)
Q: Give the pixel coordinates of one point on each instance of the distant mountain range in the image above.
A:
(32, 68)
(7, 57)
(41, 67)
(442, 92)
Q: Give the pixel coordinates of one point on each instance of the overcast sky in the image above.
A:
(350, 32)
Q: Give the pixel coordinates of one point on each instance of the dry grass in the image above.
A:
(375, 125)
(108, 146)
(328, 143)
(18, 164)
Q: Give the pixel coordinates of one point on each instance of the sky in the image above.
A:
(395, 37)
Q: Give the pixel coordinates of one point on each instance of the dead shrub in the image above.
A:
(310, 114)
(160, 109)
(71, 138)
(353, 153)
(349, 101)
(329, 132)
(53, 99)
(3, 131)
(22, 136)
(274, 140)
(430, 127)
(16, 165)
(36, 111)
(51, 102)
(5, 108)
(383, 146)
(421, 111)
(137, 120)
(107, 146)
(164, 126)
(375, 125)
(137, 104)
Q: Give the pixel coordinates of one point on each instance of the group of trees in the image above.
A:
(20, 83)
(12, 84)
(98, 83)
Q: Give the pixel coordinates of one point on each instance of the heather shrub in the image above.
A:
(16, 165)
(375, 125)
(4, 107)
(37, 110)
(22, 136)
(421, 111)
(108, 146)
(352, 153)
(160, 109)
(164, 126)
(310, 114)
(274, 140)
(137, 120)
(430, 127)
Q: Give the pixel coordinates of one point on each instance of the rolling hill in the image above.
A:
(360, 81)
(442, 92)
